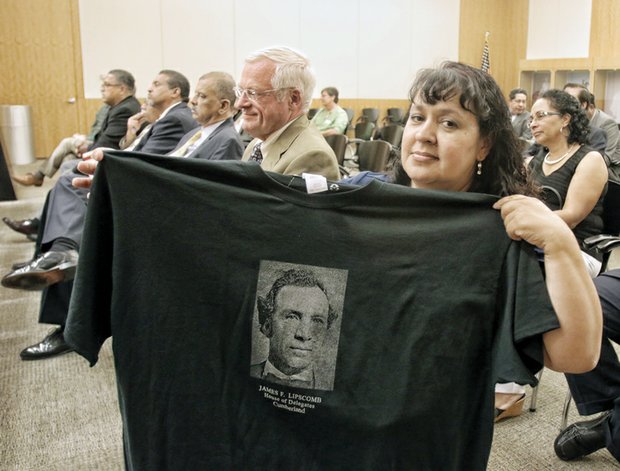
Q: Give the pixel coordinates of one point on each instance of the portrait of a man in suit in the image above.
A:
(295, 316)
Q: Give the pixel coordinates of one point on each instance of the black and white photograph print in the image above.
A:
(297, 319)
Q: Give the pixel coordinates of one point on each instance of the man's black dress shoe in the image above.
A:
(17, 265)
(581, 438)
(46, 270)
(53, 344)
(23, 226)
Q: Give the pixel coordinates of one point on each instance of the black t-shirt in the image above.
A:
(433, 305)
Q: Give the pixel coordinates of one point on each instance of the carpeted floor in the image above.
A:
(59, 414)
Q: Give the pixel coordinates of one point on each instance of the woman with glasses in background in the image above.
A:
(566, 164)
(573, 177)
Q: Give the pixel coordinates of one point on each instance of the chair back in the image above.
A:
(338, 142)
(350, 113)
(393, 133)
(373, 155)
(363, 130)
(394, 116)
(551, 196)
(370, 114)
(312, 112)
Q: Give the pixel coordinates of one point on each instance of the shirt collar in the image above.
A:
(168, 109)
(305, 375)
(267, 143)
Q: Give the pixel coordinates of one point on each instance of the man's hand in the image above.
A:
(88, 166)
(134, 123)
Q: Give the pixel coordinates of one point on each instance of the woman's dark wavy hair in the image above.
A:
(503, 171)
(565, 103)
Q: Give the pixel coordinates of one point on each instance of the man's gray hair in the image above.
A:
(293, 70)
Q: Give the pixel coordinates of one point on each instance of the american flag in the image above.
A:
(486, 61)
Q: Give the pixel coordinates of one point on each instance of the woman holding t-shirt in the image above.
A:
(459, 138)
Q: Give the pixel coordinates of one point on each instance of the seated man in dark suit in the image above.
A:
(213, 108)
(295, 316)
(604, 133)
(519, 116)
(65, 209)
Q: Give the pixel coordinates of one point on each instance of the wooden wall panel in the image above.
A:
(506, 21)
(605, 31)
(37, 61)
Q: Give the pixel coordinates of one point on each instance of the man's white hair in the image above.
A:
(293, 70)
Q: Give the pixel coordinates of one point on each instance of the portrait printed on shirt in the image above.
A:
(296, 326)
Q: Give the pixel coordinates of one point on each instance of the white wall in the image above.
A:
(559, 29)
(365, 48)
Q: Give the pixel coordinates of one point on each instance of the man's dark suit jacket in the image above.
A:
(224, 143)
(65, 208)
(598, 141)
(114, 126)
(166, 133)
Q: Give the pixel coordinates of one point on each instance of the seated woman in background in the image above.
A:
(566, 164)
(331, 119)
(574, 178)
(459, 138)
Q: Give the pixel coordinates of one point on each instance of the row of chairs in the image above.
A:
(371, 115)
(373, 156)
(393, 116)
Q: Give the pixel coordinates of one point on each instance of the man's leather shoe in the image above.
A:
(45, 270)
(29, 179)
(18, 265)
(53, 344)
(23, 226)
(581, 438)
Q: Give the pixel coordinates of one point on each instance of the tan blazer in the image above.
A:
(300, 148)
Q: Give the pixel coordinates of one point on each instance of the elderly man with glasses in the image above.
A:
(274, 94)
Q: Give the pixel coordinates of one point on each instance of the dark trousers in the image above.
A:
(599, 389)
(63, 216)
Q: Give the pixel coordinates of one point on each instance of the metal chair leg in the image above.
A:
(569, 397)
(535, 392)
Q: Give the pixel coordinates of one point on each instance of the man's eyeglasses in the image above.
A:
(252, 94)
(107, 85)
(540, 115)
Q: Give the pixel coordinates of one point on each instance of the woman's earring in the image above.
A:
(479, 171)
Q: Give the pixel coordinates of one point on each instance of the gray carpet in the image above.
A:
(59, 414)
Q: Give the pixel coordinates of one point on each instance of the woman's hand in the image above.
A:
(527, 218)
(575, 346)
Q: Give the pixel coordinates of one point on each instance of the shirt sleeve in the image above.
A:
(524, 314)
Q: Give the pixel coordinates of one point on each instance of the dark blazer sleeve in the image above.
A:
(115, 126)
(598, 141)
(166, 133)
(224, 144)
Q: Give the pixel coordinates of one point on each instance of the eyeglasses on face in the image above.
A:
(254, 95)
(108, 85)
(540, 115)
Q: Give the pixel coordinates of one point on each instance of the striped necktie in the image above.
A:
(188, 147)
